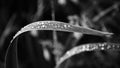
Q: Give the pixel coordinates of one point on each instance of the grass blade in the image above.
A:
(87, 47)
(59, 26)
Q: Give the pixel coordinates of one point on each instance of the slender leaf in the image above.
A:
(87, 47)
(59, 26)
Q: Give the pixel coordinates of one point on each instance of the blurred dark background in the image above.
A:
(101, 15)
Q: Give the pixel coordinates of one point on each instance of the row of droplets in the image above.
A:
(88, 47)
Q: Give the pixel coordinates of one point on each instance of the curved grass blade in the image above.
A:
(59, 26)
(87, 47)
(11, 57)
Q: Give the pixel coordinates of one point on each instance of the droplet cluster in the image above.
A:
(49, 25)
(58, 26)
(88, 47)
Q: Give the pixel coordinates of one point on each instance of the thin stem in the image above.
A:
(12, 51)
(103, 13)
(53, 10)
(7, 30)
(53, 18)
(16, 53)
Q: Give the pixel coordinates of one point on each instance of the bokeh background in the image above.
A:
(36, 48)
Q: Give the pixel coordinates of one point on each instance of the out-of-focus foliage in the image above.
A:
(101, 15)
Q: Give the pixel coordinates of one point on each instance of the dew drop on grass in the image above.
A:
(87, 47)
(59, 26)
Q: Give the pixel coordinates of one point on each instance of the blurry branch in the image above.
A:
(7, 29)
(37, 15)
(103, 13)
(58, 47)
(39, 11)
